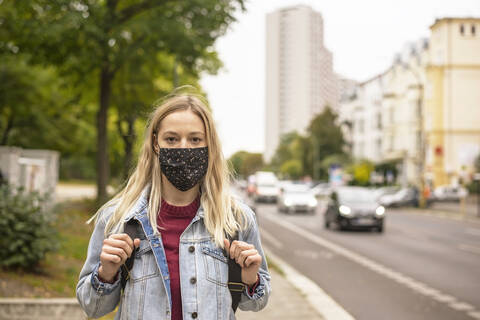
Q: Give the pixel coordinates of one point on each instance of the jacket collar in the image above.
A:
(141, 206)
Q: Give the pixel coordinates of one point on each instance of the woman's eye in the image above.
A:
(170, 139)
(196, 140)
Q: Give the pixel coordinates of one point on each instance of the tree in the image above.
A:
(236, 161)
(292, 169)
(252, 163)
(326, 139)
(361, 172)
(37, 109)
(245, 163)
(284, 150)
(95, 39)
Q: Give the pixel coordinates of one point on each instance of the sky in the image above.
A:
(363, 36)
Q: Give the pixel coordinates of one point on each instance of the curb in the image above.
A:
(315, 296)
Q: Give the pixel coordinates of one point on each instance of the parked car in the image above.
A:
(266, 187)
(402, 198)
(322, 189)
(449, 193)
(383, 191)
(296, 198)
(354, 207)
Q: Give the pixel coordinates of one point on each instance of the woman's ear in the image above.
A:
(155, 144)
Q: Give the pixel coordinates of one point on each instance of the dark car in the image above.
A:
(354, 207)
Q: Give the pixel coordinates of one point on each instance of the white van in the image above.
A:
(266, 187)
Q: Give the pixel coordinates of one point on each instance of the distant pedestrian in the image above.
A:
(175, 217)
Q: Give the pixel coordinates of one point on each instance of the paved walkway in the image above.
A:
(285, 302)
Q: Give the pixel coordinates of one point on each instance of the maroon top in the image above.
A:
(174, 220)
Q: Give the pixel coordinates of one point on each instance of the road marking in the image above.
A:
(461, 306)
(307, 254)
(411, 283)
(475, 315)
(469, 248)
(318, 299)
(271, 239)
(474, 232)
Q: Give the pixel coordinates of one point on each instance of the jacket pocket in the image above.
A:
(216, 265)
(144, 266)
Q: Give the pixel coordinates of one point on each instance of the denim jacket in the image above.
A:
(203, 273)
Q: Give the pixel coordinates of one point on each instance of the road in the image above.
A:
(421, 267)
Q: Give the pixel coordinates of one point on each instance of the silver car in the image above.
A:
(297, 198)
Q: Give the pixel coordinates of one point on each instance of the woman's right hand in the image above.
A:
(116, 249)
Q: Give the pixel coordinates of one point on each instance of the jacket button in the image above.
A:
(193, 280)
(194, 315)
(191, 249)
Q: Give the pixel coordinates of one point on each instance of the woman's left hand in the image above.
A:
(247, 257)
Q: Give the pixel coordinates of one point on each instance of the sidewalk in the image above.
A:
(285, 302)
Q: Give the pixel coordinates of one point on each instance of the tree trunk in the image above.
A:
(102, 137)
(7, 130)
(129, 140)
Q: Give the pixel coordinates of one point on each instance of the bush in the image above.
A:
(26, 228)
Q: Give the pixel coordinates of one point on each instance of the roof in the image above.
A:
(440, 21)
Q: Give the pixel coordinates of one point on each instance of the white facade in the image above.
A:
(384, 113)
(430, 107)
(299, 78)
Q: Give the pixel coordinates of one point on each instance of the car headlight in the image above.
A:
(287, 202)
(313, 202)
(344, 210)
(380, 211)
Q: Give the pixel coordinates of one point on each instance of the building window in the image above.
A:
(462, 29)
(473, 29)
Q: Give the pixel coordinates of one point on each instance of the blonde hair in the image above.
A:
(221, 214)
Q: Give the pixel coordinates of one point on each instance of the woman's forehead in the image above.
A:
(183, 120)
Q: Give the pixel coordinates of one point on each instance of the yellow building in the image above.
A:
(452, 100)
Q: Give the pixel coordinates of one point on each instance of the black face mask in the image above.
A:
(184, 167)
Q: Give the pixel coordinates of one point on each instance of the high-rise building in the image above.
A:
(300, 80)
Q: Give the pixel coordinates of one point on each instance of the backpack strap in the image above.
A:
(235, 285)
(130, 228)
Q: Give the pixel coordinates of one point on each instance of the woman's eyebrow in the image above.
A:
(169, 132)
(197, 132)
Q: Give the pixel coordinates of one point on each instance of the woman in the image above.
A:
(182, 213)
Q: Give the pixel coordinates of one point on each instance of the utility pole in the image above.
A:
(476, 178)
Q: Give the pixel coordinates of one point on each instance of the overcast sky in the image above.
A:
(362, 35)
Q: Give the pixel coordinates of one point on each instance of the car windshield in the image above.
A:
(296, 189)
(267, 185)
(356, 195)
